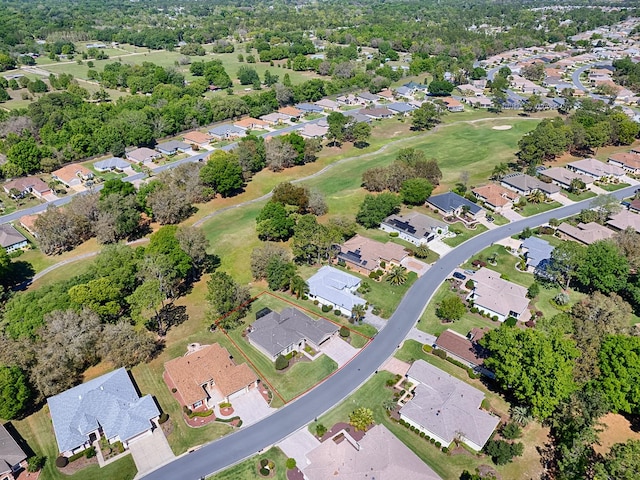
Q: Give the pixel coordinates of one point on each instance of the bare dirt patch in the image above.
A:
(502, 127)
(617, 429)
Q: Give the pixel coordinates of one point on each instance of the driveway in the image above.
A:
(298, 445)
(420, 336)
(374, 320)
(151, 452)
(338, 350)
(439, 247)
(415, 265)
(251, 407)
(510, 215)
(558, 197)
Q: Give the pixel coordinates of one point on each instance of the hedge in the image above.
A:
(345, 332)
(281, 362)
(427, 348)
(205, 413)
(440, 353)
(163, 418)
(326, 308)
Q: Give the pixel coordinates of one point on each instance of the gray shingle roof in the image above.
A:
(333, 285)
(9, 236)
(172, 146)
(113, 162)
(538, 250)
(223, 130)
(109, 401)
(276, 331)
(414, 224)
(445, 405)
(400, 107)
(10, 452)
(450, 201)
(308, 107)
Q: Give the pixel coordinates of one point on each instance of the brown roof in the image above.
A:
(631, 160)
(249, 122)
(586, 233)
(196, 137)
(190, 372)
(495, 195)
(451, 102)
(291, 111)
(462, 347)
(69, 172)
(386, 93)
(27, 221)
(367, 253)
(26, 183)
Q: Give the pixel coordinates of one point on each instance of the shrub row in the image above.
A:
(469, 370)
(422, 434)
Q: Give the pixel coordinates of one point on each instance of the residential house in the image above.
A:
(537, 253)
(563, 177)
(365, 255)
(478, 102)
(596, 169)
(143, 155)
(453, 105)
(415, 87)
(207, 375)
(349, 99)
(28, 223)
(377, 112)
(227, 132)
(404, 92)
(630, 162)
(12, 457)
(415, 227)
(498, 297)
(274, 118)
(11, 239)
(445, 408)
(336, 289)
(27, 186)
(313, 130)
(172, 147)
(625, 219)
(527, 86)
(386, 94)
(526, 184)
(466, 350)
(111, 164)
(72, 175)
(291, 112)
(197, 138)
(634, 205)
(366, 98)
(376, 454)
(496, 197)
(469, 90)
(108, 405)
(357, 116)
(307, 108)
(250, 123)
(401, 108)
(276, 334)
(328, 105)
(451, 204)
(586, 233)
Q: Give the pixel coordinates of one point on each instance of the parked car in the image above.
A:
(459, 276)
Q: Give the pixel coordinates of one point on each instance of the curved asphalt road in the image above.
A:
(233, 448)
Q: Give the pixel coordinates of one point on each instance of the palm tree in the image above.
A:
(397, 275)
(421, 252)
(389, 404)
(358, 312)
(298, 286)
(520, 414)
(536, 196)
(500, 171)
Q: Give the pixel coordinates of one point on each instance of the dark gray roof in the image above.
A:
(109, 401)
(9, 236)
(450, 201)
(369, 96)
(414, 224)
(308, 107)
(276, 331)
(525, 182)
(356, 116)
(10, 452)
(401, 107)
(172, 146)
(221, 130)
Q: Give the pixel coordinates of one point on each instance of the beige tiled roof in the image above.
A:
(69, 172)
(498, 295)
(495, 195)
(372, 252)
(196, 137)
(586, 233)
(190, 372)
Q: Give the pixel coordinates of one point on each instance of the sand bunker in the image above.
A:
(502, 127)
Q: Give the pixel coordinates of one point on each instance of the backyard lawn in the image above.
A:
(505, 265)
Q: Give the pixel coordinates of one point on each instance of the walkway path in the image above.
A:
(234, 448)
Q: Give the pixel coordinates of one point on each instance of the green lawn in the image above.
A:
(37, 430)
(612, 187)
(576, 197)
(430, 323)
(499, 219)
(543, 301)
(505, 265)
(535, 208)
(248, 470)
(465, 233)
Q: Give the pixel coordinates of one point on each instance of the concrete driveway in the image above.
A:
(510, 215)
(151, 452)
(439, 247)
(251, 407)
(298, 445)
(415, 265)
(338, 350)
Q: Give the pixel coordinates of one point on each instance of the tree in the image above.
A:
(116, 185)
(261, 256)
(536, 196)
(603, 268)
(223, 173)
(289, 194)
(421, 251)
(532, 104)
(566, 258)
(426, 117)
(536, 367)
(101, 295)
(274, 222)
(279, 274)
(248, 75)
(500, 171)
(441, 88)
(194, 243)
(502, 452)
(534, 72)
(622, 462)
(124, 346)
(628, 241)
(451, 308)
(534, 290)
(606, 206)
(415, 191)
(397, 275)
(361, 418)
(359, 133)
(60, 230)
(251, 154)
(280, 154)
(521, 415)
(595, 317)
(14, 392)
(227, 299)
(374, 209)
(281, 362)
(146, 301)
(169, 205)
(358, 312)
(298, 286)
(337, 122)
(119, 217)
(620, 372)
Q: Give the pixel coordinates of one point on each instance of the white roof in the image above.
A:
(334, 285)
